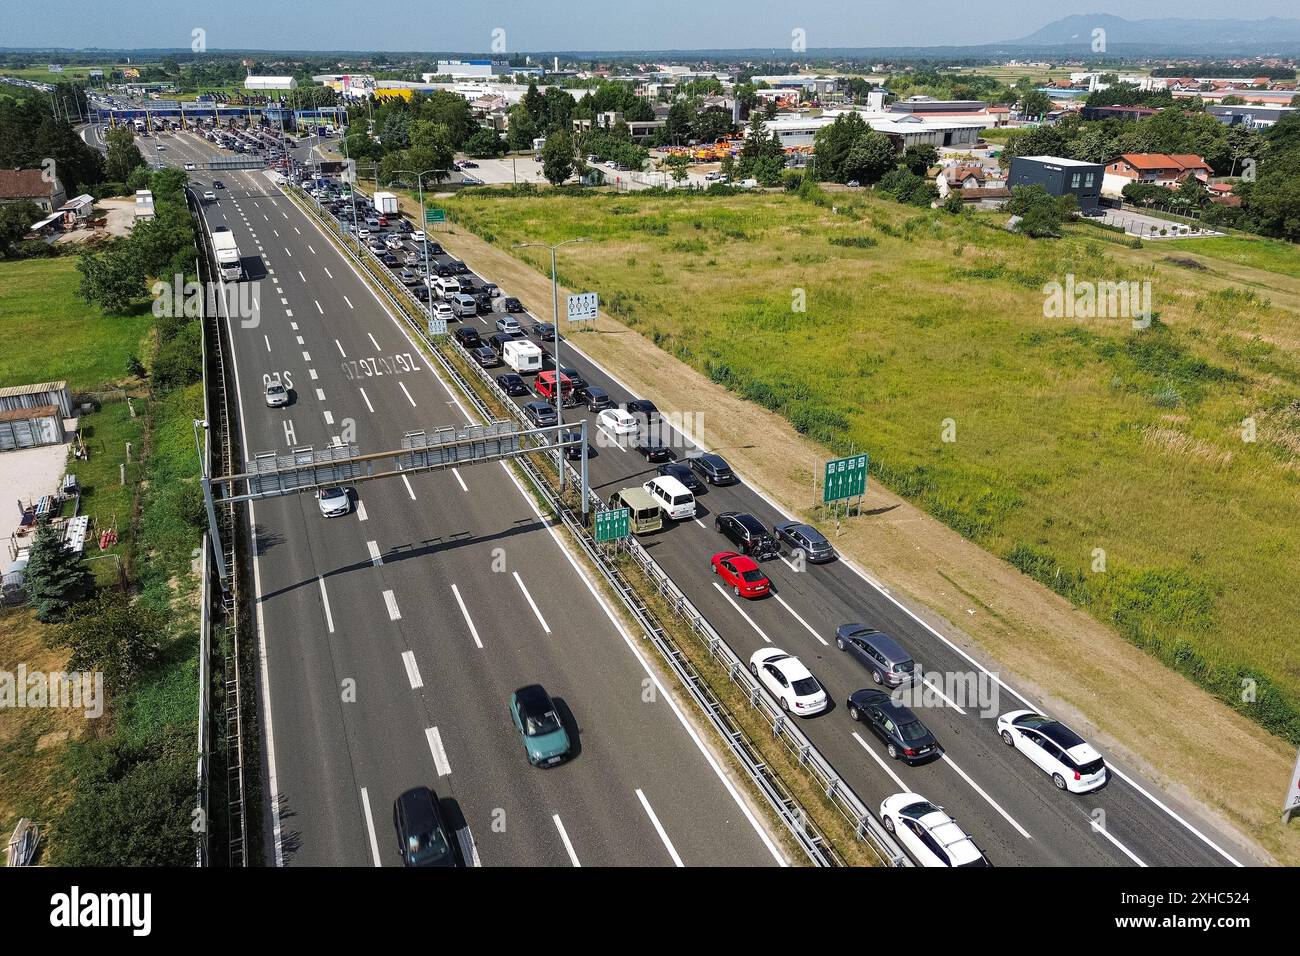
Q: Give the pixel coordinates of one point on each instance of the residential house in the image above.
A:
(1158, 169)
(31, 185)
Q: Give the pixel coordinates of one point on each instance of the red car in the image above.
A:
(746, 578)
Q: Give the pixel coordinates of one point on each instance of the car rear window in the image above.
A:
(682, 500)
(754, 576)
(807, 686)
(913, 730)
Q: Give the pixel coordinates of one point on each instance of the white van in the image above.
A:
(522, 356)
(464, 306)
(446, 286)
(674, 498)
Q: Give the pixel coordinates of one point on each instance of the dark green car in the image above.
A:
(545, 740)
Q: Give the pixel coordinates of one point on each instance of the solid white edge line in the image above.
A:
(628, 641)
(663, 835)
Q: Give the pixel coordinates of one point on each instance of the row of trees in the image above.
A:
(30, 136)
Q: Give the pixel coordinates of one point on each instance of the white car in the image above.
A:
(334, 502)
(443, 310)
(276, 394)
(1057, 750)
(394, 244)
(363, 233)
(616, 421)
(160, 147)
(928, 833)
(417, 236)
(209, 195)
(189, 167)
(785, 677)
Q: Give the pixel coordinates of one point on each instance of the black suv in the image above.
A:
(594, 397)
(747, 533)
(513, 304)
(682, 472)
(467, 337)
(713, 469)
(421, 835)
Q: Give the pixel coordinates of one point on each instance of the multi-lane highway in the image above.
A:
(410, 577)
(393, 637)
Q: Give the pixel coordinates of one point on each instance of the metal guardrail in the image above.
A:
(813, 843)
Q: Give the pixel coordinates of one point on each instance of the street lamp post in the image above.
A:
(559, 375)
(419, 182)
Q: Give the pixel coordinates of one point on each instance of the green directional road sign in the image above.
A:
(612, 525)
(845, 478)
(435, 215)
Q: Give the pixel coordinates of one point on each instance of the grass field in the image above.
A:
(1267, 254)
(48, 334)
(1106, 462)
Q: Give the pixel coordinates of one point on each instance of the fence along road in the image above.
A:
(429, 705)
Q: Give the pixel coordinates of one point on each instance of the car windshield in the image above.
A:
(806, 687)
(753, 577)
(423, 847)
(331, 493)
(274, 389)
(913, 730)
(545, 723)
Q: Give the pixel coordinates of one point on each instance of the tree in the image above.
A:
(55, 577)
(557, 158)
(919, 159)
(15, 219)
(123, 155)
(1040, 212)
(832, 144)
(485, 142)
(870, 158)
(132, 806)
(1034, 103)
(522, 129)
(112, 280)
(111, 635)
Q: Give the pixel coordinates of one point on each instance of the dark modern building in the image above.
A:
(1060, 176)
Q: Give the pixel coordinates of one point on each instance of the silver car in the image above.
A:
(276, 394)
(334, 502)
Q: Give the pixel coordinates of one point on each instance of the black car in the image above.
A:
(483, 302)
(540, 414)
(498, 341)
(218, 184)
(466, 284)
(390, 260)
(468, 338)
(905, 737)
(682, 472)
(574, 376)
(513, 304)
(443, 269)
(421, 292)
(713, 469)
(458, 268)
(544, 331)
(435, 248)
(485, 355)
(511, 383)
(573, 452)
(594, 397)
(649, 446)
(644, 409)
(796, 538)
(421, 835)
(747, 533)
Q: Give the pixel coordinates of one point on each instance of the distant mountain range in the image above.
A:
(1204, 36)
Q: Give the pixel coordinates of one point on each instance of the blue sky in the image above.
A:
(468, 25)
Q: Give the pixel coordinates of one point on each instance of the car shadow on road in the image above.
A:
(570, 727)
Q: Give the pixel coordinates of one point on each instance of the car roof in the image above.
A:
(712, 459)
(534, 698)
(748, 521)
(743, 562)
(419, 807)
(1062, 735)
(791, 667)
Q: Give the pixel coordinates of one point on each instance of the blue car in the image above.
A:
(546, 742)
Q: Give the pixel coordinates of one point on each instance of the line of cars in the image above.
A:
(930, 835)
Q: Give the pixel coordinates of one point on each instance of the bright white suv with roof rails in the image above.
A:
(928, 833)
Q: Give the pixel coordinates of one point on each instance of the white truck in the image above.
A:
(522, 356)
(228, 259)
(386, 204)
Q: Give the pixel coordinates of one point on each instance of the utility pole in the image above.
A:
(559, 375)
(419, 181)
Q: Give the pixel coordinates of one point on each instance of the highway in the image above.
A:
(1007, 804)
(1012, 808)
(392, 638)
